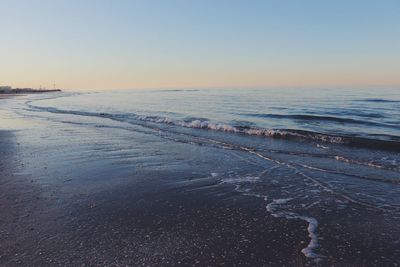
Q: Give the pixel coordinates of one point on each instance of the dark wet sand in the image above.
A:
(137, 224)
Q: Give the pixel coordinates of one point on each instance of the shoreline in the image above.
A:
(5, 96)
(145, 221)
(74, 194)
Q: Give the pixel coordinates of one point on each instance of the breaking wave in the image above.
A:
(316, 118)
(293, 134)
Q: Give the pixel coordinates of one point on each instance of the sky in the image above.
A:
(116, 44)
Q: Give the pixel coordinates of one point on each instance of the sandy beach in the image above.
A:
(138, 219)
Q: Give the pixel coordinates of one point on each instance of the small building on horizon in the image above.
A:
(5, 89)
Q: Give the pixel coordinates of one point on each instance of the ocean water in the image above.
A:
(304, 113)
(320, 156)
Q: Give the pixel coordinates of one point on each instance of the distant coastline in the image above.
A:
(10, 90)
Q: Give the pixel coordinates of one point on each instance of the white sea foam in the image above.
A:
(241, 179)
(321, 146)
(352, 161)
(312, 229)
(277, 209)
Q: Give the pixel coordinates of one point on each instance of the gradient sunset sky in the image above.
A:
(95, 44)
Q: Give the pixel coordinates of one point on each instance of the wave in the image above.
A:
(356, 113)
(378, 100)
(362, 142)
(306, 117)
(302, 117)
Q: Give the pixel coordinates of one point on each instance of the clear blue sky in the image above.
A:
(96, 44)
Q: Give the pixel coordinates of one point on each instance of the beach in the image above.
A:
(83, 218)
(84, 190)
(135, 220)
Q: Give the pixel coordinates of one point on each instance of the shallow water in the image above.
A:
(327, 158)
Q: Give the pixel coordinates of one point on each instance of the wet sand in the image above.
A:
(19, 199)
(136, 223)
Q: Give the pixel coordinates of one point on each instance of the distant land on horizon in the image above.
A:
(10, 90)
